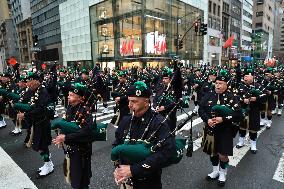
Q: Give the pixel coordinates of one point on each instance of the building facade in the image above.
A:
(8, 45)
(75, 32)
(46, 26)
(225, 30)
(246, 33)
(126, 33)
(24, 30)
(21, 16)
(235, 29)
(214, 31)
(263, 28)
(278, 39)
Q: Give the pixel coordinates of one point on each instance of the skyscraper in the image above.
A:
(263, 28)
(46, 26)
(8, 46)
(246, 33)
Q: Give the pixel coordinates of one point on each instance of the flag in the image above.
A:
(12, 61)
(229, 42)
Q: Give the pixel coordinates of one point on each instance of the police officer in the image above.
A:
(147, 173)
(79, 144)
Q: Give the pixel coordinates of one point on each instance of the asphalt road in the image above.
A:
(247, 171)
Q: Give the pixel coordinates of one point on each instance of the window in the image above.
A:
(218, 10)
(210, 6)
(259, 24)
(209, 22)
(247, 14)
(236, 22)
(247, 24)
(214, 41)
(259, 13)
(236, 9)
(214, 8)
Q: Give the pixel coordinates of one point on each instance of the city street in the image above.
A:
(247, 171)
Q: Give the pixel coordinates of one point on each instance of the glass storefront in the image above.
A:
(143, 32)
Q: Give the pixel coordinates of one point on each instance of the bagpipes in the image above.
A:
(99, 131)
(208, 141)
(137, 151)
(254, 92)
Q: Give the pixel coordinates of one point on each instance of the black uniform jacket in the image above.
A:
(153, 164)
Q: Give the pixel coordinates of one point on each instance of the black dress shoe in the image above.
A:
(16, 134)
(211, 179)
(221, 183)
(253, 151)
(238, 146)
(3, 127)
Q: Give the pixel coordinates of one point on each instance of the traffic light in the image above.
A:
(35, 40)
(196, 27)
(203, 29)
(180, 44)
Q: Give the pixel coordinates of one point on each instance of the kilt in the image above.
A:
(223, 136)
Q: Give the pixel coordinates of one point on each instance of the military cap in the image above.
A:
(167, 72)
(223, 76)
(139, 89)
(79, 89)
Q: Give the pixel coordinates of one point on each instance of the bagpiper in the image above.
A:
(77, 163)
(36, 111)
(134, 129)
(251, 98)
(220, 112)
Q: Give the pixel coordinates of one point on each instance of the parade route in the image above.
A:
(263, 170)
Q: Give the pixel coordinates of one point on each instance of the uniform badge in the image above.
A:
(146, 166)
(75, 90)
(138, 92)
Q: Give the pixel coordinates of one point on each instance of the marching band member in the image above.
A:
(251, 99)
(219, 109)
(79, 144)
(164, 100)
(40, 131)
(120, 96)
(147, 173)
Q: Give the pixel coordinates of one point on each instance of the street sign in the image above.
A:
(35, 49)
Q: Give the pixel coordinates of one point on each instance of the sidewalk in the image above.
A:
(11, 175)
